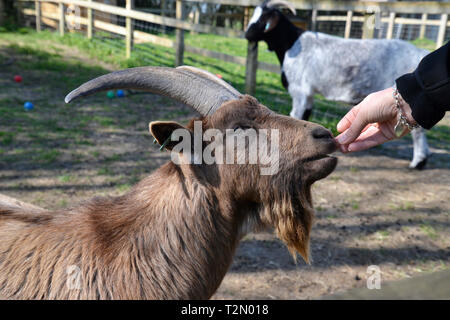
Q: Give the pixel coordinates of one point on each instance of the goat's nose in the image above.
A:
(321, 133)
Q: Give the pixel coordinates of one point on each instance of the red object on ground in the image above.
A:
(219, 76)
(17, 79)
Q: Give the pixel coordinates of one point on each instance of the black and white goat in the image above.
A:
(345, 70)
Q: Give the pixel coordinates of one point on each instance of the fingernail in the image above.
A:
(342, 139)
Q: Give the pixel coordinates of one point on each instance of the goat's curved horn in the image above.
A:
(197, 88)
(281, 3)
(209, 76)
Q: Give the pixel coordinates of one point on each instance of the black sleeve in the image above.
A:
(427, 89)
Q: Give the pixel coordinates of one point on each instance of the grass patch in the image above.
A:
(354, 169)
(354, 204)
(124, 187)
(335, 178)
(382, 234)
(405, 206)
(111, 50)
(6, 138)
(114, 157)
(439, 133)
(408, 206)
(47, 156)
(65, 178)
(105, 171)
(95, 154)
(429, 231)
(104, 121)
(426, 44)
(62, 203)
(232, 46)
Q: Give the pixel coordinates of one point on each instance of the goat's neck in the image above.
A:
(189, 234)
(282, 37)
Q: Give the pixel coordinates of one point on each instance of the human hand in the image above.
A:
(371, 122)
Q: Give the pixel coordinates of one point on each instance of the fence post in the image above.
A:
(38, 15)
(129, 29)
(250, 67)
(314, 20)
(348, 24)
(179, 45)
(442, 28)
(62, 19)
(90, 22)
(391, 23)
(423, 25)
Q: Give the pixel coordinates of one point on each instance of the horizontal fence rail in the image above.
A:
(352, 12)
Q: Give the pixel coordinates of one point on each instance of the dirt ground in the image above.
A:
(371, 211)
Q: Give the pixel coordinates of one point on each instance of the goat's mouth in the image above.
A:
(318, 157)
(319, 166)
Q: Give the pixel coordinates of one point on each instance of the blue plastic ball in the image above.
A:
(120, 93)
(28, 105)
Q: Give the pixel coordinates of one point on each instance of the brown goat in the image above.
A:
(174, 234)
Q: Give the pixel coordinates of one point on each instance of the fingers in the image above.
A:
(353, 131)
(367, 131)
(345, 122)
(369, 123)
(370, 138)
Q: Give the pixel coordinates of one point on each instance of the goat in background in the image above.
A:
(345, 70)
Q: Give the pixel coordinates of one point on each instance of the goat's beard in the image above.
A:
(290, 212)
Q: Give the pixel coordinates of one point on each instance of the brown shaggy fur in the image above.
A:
(174, 234)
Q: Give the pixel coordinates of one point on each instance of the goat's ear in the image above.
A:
(272, 22)
(162, 131)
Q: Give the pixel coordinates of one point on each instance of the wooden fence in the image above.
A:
(251, 63)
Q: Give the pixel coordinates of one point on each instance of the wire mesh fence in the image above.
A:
(233, 17)
(401, 31)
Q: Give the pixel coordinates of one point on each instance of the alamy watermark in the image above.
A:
(373, 277)
(73, 281)
(235, 147)
(374, 21)
(73, 17)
